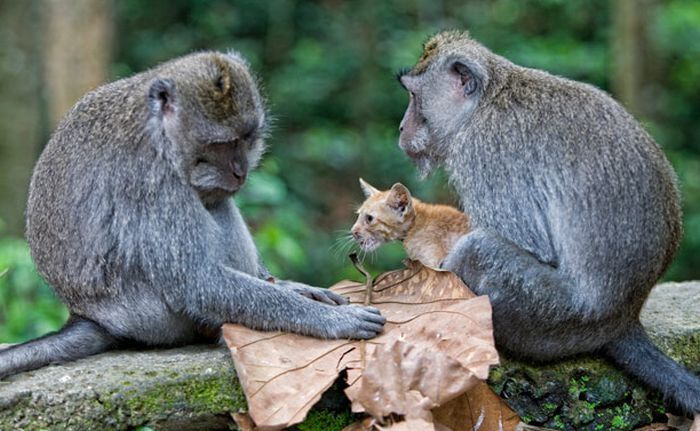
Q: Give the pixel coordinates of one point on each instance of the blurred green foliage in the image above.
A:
(327, 69)
(28, 307)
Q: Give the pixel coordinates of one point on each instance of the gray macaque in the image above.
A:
(575, 209)
(130, 219)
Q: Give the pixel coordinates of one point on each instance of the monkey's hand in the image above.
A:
(352, 321)
(317, 294)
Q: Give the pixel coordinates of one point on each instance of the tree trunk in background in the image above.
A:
(22, 127)
(631, 54)
(77, 51)
(52, 52)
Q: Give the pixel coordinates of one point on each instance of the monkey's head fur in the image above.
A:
(207, 111)
(450, 76)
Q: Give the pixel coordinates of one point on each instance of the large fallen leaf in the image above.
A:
(438, 331)
(478, 409)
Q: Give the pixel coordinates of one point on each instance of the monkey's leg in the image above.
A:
(538, 312)
(221, 295)
(77, 339)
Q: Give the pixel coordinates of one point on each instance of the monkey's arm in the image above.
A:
(323, 295)
(229, 215)
(317, 294)
(261, 305)
(263, 272)
(513, 278)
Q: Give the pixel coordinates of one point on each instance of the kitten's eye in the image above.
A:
(369, 218)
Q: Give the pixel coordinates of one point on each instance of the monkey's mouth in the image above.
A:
(415, 155)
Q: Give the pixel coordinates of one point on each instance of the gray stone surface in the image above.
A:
(194, 388)
(179, 389)
(671, 316)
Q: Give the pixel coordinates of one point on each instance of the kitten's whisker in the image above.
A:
(343, 244)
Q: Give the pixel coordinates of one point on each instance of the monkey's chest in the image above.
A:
(235, 246)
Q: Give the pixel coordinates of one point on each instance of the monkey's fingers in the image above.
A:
(321, 295)
(374, 327)
(366, 335)
(337, 299)
(375, 315)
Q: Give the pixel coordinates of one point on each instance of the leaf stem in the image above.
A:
(368, 300)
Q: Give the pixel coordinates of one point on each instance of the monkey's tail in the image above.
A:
(637, 354)
(77, 339)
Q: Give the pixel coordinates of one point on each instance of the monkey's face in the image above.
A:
(444, 90)
(212, 113)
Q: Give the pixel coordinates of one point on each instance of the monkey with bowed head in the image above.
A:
(574, 208)
(130, 219)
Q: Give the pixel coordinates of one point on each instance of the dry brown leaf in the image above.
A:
(655, 427)
(681, 423)
(478, 409)
(414, 370)
(366, 424)
(283, 375)
(403, 379)
(413, 425)
(525, 427)
(244, 422)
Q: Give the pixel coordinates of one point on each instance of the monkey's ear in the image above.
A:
(161, 97)
(465, 77)
(399, 198)
(367, 189)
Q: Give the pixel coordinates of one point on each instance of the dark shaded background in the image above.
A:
(327, 68)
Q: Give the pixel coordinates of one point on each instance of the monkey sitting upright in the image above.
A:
(130, 219)
(574, 208)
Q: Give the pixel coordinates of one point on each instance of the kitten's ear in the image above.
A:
(367, 189)
(399, 198)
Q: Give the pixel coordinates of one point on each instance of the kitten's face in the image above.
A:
(384, 216)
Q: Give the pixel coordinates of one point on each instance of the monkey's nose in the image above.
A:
(238, 171)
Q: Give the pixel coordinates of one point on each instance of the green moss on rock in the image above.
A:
(324, 420)
(580, 394)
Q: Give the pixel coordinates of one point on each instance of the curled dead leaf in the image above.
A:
(695, 426)
(440, 334)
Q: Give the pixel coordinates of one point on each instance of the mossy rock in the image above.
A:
(591, 394)
(192, 388)
(195, 388)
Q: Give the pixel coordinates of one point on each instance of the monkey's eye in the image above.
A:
(369, 218)
(248, 136)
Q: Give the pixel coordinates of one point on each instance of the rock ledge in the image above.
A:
(194, 388)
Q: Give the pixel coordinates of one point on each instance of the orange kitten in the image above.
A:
(427, 231)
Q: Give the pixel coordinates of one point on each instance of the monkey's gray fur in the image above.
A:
(575, 208)
(130, 219)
